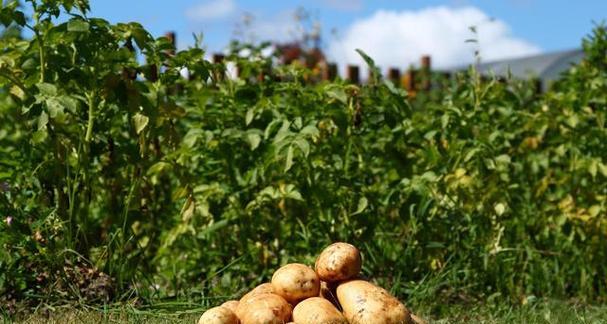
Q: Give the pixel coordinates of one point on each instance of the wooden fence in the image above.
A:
(413, 80)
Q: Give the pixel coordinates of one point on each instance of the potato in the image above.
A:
(264, 288)
(337, 262)
(218, 315)
(366, 303)
(231, 305)
(327, 291)
(316, 310)
(296, 282)
(264, 309)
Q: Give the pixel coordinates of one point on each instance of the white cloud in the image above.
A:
(209, 10)
(280, 27)
(401, 38)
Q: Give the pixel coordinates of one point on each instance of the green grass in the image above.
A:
(540, 312)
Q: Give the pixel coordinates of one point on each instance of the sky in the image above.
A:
(394, 33)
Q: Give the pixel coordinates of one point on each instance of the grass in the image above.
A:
(540, 312)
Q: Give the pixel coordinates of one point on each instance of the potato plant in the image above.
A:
(120, 178)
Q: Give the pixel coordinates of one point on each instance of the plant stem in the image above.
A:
(349, 136)
(40, 42)
(14, 80)
(89, 127)
(42, 56)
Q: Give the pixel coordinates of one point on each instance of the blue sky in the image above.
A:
(395, 32)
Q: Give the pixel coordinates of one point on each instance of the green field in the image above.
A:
(122, 182)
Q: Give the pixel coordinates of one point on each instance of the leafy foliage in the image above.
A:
(176, 187)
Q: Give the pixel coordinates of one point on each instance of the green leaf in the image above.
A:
(42, 120)
(68, 4)
(603, 169)
(140, 35)
(499, 209)
(141, 121)
(394, 90)
(298, 122)
(69, 103)
(6, 16)
(289, 159)
(336, 93)
(444, 120)
(54, 107)
(429, 176)
(375, 72)
(190, 139)
(249, 116)
(47, 89)
(362, 205)
(158, 168)
(303, 146)
(77, 25)
(19, 18)
(310, 130)
(503, 159)
(253, 139)
(593, 167)
(292, 193)
(212, 228)
(270, 128)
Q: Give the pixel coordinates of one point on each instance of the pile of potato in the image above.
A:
(332, 293)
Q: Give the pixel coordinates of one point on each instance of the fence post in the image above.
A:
(409, 81)
(426, 66)
(330, 72)
(218, 58)
(353, 74)
(394, 75)
(173, 40)
(219, 72)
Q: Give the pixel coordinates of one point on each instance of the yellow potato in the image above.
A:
(264, 309)
(295, 282)
(218, 315)
(317, 310)
(337, 262)
(231, 305)
(366, 303)
(264, 288)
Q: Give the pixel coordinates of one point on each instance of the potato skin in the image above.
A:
(317, 310)
(366, 303)
(231, 305)
(296, 282)
(264, 309)
(218, 315)
(337, 262)
(264, 288)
